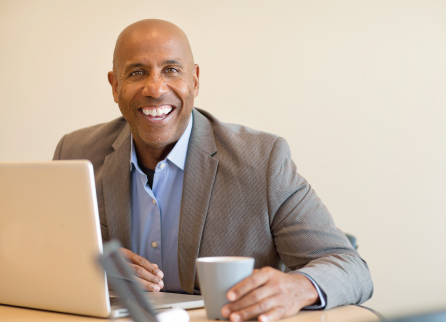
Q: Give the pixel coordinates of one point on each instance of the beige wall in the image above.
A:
(356, 87)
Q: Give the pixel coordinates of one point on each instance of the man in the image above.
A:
(174, 183)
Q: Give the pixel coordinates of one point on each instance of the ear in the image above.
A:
(114, 84)
(196, 79)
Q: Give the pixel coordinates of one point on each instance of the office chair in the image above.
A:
(439, 316)
(352, 240)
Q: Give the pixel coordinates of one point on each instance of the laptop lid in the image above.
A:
(50, 238)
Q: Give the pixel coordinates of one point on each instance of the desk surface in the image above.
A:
(339, 314)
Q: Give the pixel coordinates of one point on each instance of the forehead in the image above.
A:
(150, 48)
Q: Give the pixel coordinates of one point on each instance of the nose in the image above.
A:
(155, 86)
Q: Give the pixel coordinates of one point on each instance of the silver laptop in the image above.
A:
(50, 238)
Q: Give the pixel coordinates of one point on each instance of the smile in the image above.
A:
(157, 111)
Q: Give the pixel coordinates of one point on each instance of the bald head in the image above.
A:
(154, 81)
(152, 31)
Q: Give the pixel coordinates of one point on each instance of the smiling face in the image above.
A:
(154, 82)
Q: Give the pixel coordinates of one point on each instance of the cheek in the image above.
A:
(123, 93)
(184, 87)
(187, 92)
(123, 97)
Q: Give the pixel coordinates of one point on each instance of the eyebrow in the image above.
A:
(134, 65)
(166, 62)
(172, 62)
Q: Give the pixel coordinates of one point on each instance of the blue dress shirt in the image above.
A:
(155, 213)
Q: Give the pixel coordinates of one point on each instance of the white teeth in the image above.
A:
(157, 111)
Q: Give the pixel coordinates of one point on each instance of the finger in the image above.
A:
(253, 297)
(250, 283)
(147, 286)
(145, 275)
(269, 309)
(253, 310)
(141, 261)
(124, 252)
(274, 314)
(272, 308)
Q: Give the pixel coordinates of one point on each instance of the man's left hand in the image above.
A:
(269, 294)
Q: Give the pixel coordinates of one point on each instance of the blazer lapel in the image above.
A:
(116, 187)
(199, 176)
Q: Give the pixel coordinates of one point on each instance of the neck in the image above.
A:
(149, 157)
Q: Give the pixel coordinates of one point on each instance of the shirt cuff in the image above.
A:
(322, 296)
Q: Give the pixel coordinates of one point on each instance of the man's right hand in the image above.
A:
(148, 274)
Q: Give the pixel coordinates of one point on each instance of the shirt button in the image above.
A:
(154, 201)
(162, 165)
(154, 244)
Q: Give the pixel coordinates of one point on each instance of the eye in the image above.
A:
(171, 70)
(137, 73)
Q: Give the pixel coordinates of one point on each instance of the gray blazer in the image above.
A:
(241, 196)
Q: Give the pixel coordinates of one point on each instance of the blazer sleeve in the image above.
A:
(58, 151)
(306, 237)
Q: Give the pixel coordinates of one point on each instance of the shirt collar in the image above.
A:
(178, 154)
